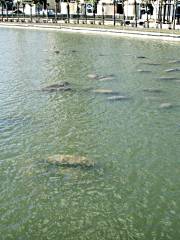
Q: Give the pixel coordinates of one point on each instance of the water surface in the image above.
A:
(133, 190)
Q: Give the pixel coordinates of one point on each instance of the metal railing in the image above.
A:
(115, 19)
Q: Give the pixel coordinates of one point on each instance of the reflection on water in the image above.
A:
(133, 190)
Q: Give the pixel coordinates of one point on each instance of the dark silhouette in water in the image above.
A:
(152, 90)
(152, 64)
(57, 52)
(141, 57)
(173, 70)
(64, 86)
(167, 78)
(144, 71)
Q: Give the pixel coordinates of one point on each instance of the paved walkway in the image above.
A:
(138, 33)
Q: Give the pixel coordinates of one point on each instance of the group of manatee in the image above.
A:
(66, 86)
(166, 78)
(82, 161)
(75, 160)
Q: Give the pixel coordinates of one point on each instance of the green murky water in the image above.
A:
(133, 192)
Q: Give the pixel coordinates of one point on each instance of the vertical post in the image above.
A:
(68, 12)
(94, 14)
(12, 16)
(174, 15)
(23, 10)
(168, 11)
(60, 10)
(38, 12)
(103, 13)
(30, 12)
(55, 11)
(178, 17)
(147, 16)
(7, 11)
(47, 11)
(114, 12)
(18, 10)
(160, 15)
(135, 3)
(85, 12)
(77, 12)
(164, 12)
(2, 10)
(123, 14)
(156, 8)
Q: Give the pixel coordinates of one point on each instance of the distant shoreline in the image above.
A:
(119, 32)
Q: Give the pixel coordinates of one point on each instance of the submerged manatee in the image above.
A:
(152, 64)
(152, 90)
(100, 77)
(141, 57)
(104, 91)
(70, 160)
(165, 105)
(63, 86)
(173, 70)
(144, 71)
(106, 77)
(118, 98)
(92, 76)
(103, 55)
(57, 52)
(167, 78)
(174, 61)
